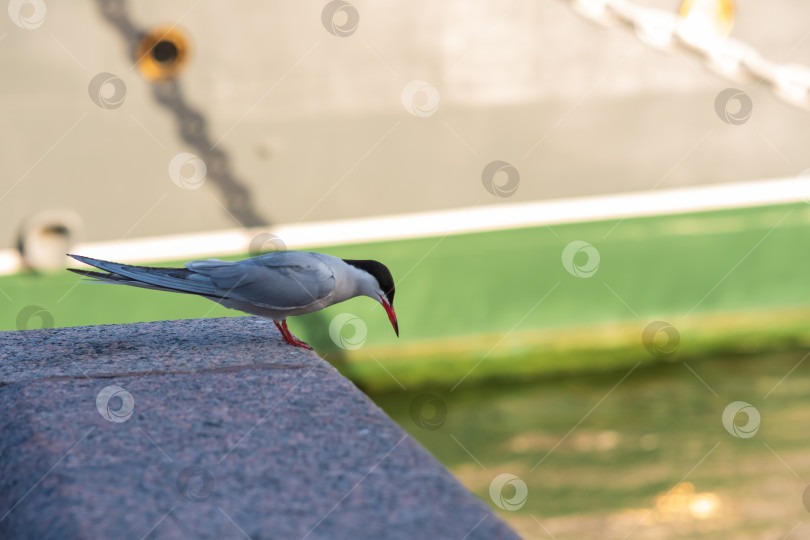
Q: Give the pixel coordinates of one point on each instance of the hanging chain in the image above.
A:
(728, 57)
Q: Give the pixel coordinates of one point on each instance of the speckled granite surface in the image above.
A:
(209, 428)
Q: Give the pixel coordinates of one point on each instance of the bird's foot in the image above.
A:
(295, 342)
(289, 338)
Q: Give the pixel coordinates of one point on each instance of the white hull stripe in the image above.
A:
(444, 222)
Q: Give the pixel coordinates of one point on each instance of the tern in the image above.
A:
(275, 285)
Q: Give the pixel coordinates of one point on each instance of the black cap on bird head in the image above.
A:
(380, 273)
(383, 276)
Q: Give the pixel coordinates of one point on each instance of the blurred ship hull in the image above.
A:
(304, 132)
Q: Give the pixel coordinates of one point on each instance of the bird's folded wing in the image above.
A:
(287, 282)
(275, 283)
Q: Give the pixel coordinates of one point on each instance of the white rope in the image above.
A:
(728, 57)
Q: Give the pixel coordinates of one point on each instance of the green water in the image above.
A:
(598, 452)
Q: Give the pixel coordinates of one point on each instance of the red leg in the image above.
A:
(288, 337)
(294, 341)
(285, 333)
(281, 330)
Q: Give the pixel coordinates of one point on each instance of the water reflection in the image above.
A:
(651, 457)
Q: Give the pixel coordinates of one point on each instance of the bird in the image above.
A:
(274, 285)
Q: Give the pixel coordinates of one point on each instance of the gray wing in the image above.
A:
(281, 280)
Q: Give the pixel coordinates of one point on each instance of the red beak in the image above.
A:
(391, 315)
